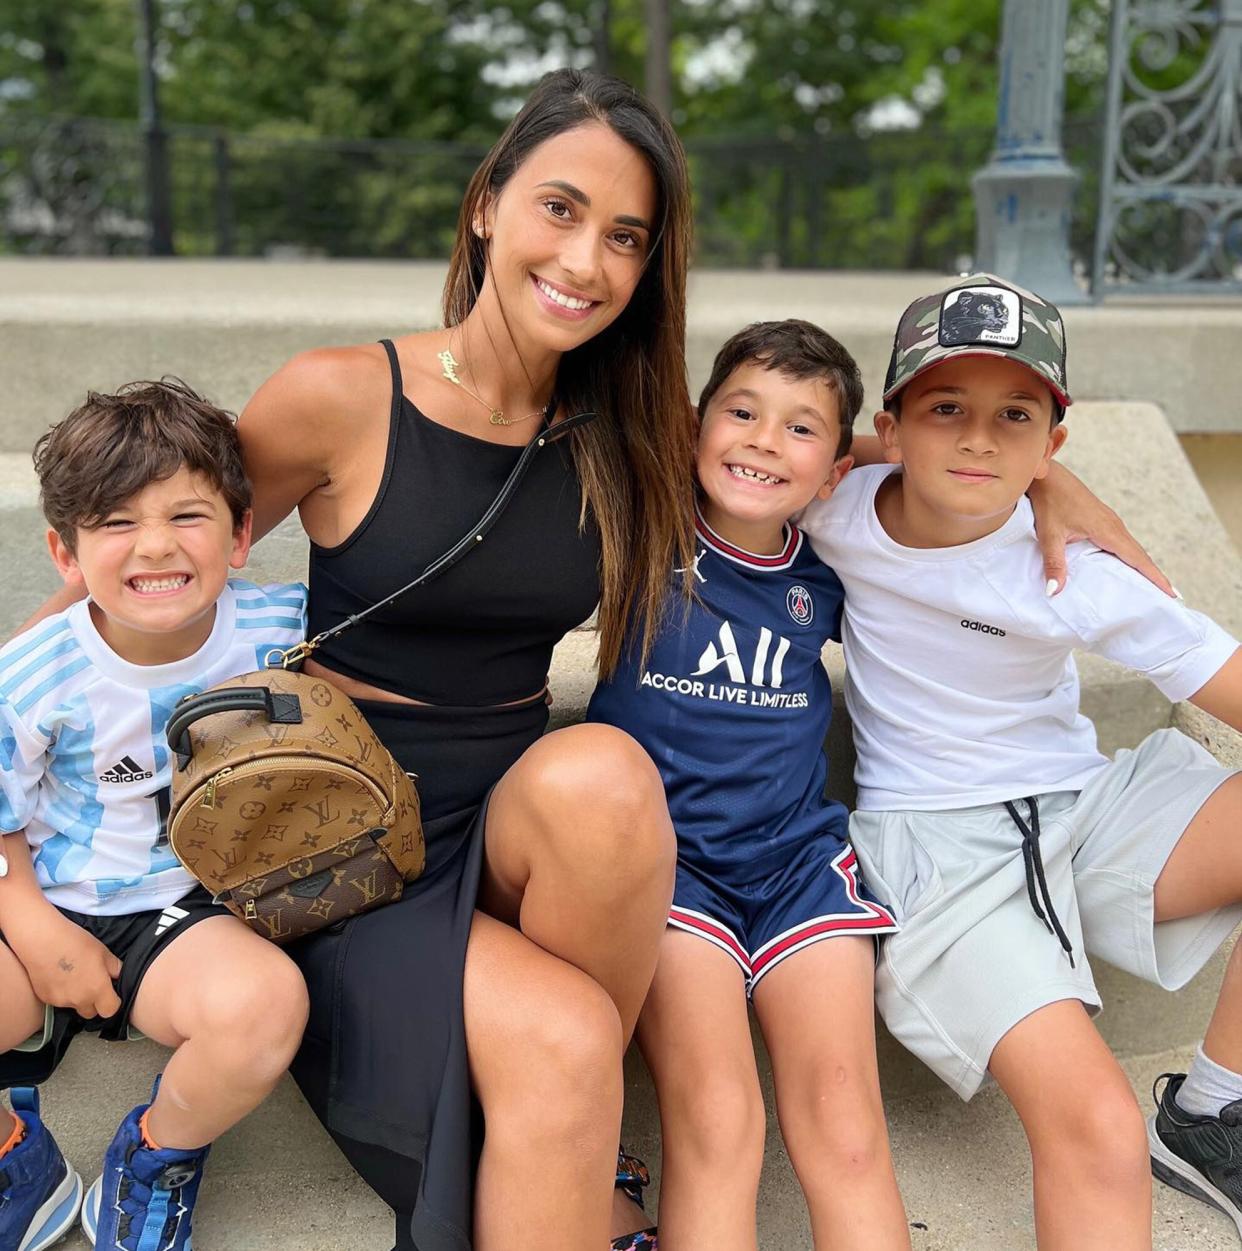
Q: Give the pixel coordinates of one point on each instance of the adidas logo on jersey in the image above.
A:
(127, 769)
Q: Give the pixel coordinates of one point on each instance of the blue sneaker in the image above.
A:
(39, 1193)
(143, 1198)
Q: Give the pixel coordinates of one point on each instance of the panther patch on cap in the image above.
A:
(981, 315)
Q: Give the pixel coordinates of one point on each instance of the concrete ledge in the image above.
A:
(1221, 740)
(224, 326)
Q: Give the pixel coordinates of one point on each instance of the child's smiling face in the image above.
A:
(155, 566)
(767, 447)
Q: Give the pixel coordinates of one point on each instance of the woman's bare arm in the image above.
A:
(60, 599)
(867, 449)
(1065, 510)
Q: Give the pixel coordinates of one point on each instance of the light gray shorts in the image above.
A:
(972, 959)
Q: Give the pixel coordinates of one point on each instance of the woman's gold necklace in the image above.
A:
(448, 367)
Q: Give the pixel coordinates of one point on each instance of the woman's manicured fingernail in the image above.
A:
(1051, 589)
(1176, 593)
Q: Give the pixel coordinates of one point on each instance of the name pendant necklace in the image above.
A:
(448, 368)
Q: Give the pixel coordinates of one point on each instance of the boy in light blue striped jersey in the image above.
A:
(101, 929)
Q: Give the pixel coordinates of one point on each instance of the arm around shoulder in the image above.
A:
(298, 425)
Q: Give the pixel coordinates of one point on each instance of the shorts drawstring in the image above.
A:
(1033, 862)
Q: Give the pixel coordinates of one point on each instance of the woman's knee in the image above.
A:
(597, 788)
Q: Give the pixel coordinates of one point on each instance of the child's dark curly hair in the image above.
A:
(113, 446)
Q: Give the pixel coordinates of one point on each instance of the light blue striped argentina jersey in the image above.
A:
(84, 763)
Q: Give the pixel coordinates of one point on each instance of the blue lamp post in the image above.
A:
(1023, 195)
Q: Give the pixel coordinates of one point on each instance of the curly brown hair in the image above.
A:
(112, 446)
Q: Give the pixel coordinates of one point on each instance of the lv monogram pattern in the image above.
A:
(294, 826)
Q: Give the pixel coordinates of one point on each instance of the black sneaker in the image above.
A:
(1199, 1155)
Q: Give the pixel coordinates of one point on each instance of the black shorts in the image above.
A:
(135, 940)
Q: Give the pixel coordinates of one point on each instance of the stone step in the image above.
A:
(277, 1182)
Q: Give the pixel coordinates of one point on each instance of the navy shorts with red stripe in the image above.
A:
(817, 894)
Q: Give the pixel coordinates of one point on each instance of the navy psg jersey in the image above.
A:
(733, 705)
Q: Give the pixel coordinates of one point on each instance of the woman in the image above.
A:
(566, 292)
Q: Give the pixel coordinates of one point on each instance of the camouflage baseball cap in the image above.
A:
(980, 315)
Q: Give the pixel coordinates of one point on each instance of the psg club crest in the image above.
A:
(798, 601)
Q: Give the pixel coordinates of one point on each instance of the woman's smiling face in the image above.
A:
(568, 237)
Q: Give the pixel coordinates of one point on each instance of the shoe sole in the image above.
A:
(1175, 1172)
(90, 1210)
(55, 1218)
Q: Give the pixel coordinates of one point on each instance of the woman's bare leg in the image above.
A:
(580, 857)
(545, 1048)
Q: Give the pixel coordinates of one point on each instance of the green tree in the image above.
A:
(839, 131)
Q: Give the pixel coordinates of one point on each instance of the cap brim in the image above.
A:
(1061, 395)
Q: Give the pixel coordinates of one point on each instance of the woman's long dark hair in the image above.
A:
(636, 461)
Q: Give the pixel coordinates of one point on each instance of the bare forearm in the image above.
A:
(867, 450)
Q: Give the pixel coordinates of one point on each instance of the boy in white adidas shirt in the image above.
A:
(100, 926)
(1007, 845)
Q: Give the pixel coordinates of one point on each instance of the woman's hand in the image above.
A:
(1065, 510)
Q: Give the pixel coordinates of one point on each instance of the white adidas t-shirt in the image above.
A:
(84, 763)
(960, 678)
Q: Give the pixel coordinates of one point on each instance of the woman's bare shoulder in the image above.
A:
(304, 426)
(322, 386)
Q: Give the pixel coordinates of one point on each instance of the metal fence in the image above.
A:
(1171, 210)
(891, 200)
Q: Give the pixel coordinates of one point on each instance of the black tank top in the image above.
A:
(483, 632)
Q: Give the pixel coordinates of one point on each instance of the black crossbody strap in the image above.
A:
(467, 543)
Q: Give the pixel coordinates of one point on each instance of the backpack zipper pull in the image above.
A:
(209, 797)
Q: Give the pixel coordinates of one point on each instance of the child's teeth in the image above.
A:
(740, 471)
(148, 585)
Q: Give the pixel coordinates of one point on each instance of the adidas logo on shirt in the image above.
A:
(982, 627)
(127, 769)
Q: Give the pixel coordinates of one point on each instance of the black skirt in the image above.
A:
(383, 1062)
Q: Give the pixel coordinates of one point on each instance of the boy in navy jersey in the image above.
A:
(733, 704)
(1010, 849)
(100, 926)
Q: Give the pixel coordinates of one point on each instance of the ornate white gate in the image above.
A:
(1171, 187)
